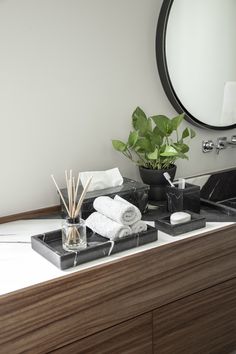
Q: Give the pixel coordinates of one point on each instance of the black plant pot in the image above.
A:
(157, 181)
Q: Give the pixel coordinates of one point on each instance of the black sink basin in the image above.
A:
(219, 191)
(230, 203)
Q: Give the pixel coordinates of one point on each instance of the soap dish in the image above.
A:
(197, 222)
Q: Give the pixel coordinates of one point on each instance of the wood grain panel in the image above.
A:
(32, 214)
(130, 337)
(203, 323)
(48, 316)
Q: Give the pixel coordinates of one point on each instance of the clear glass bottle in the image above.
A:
(74, 236)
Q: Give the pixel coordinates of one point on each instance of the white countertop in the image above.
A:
(21, 266)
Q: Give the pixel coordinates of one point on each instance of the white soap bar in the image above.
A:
(179, 217)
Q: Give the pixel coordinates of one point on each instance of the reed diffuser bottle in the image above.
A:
(74, 234)
(73, 227)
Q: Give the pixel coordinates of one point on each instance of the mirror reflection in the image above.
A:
(200, 50)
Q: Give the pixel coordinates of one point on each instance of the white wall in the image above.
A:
(71, 73)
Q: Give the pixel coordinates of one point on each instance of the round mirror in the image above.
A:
(196, 59)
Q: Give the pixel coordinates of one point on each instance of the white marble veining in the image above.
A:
(21, 266)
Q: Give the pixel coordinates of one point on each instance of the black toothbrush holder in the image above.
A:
(187, 198)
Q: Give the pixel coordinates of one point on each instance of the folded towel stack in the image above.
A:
(115, 218)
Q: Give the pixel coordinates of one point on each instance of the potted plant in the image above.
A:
(154, 145)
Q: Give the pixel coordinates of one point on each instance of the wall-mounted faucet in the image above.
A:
(221, 144)
(233, 141)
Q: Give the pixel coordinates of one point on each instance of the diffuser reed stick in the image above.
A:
(63, 200)
(77, 211)
(73, 207)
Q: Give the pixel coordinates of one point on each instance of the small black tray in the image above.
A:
(49, 245)
(197, 222)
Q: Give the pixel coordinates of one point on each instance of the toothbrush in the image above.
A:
(167, 177)
(181, 184)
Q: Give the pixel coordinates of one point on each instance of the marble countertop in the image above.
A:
(21, 266)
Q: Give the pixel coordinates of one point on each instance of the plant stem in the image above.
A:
(128, 156)
(140, 157)
(177, 135)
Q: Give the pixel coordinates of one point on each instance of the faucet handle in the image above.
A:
(233, 139)
(207, 145)
(221, 144)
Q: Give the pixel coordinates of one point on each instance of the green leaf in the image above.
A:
(149, 125)
(180, 147)
(188, 132)
(155, 147)
(185, 133)
(157, 138)
(169, 151)
(176, 121)
(119, 145)
(164, 124)
(139, 120)
(133, 137)
(182, 156)
(153, 155)
(144, 145)
(192, 133)
(140, 125)
(184, 148)
(138, 112)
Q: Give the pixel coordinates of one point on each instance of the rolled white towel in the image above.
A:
(118, 211)
(138, 226)
(106, 227)
(137, 211)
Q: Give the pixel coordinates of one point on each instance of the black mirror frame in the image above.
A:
(164, 73)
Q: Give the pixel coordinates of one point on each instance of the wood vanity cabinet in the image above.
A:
(177, 298)
(131, 337)
(201, 323)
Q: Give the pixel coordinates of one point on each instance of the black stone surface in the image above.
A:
(133, 191)
(220, 186)
(216, 215)
(49, 245)
(218, 198)
(180, 199)
(209, 212)
(219, 193)
(197, 222)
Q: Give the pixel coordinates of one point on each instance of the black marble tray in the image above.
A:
(49, 245)
(197, 222)
(224, 206)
